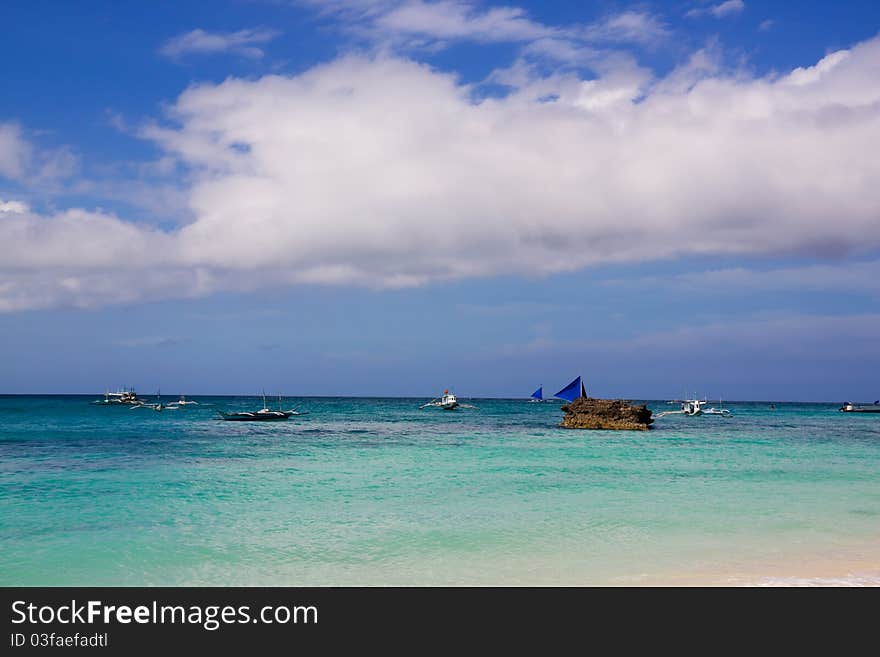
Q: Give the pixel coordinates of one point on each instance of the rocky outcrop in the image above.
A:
(589, 413)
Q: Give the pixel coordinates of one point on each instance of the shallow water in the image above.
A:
(377, 491)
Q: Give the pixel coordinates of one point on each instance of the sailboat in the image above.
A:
(538, 395)
(572, 391)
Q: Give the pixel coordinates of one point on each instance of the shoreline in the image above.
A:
(856, 565)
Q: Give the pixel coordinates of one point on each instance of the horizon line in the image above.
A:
(503, 398)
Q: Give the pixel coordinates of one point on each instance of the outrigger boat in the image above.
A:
(157, 405)
(849, 407)
(538, 395)
(119, 398)
(448, 402)
(723, 412)
(689, 407)
(263, 415)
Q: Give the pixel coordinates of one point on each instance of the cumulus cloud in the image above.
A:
(76, 258)
(385, 173)
(200, 42)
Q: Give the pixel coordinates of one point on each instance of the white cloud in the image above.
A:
(15, 151)
(628, 26)
(381, 172)
(22, 161)
(727, 8)
(451, 19)
(200, 42)
(722, 10)
(13, 206)
(811, 74)
(423, 23)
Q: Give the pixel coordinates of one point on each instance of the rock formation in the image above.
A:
(589, 413)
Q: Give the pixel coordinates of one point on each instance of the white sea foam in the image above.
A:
(872, 579)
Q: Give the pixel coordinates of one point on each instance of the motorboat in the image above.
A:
(448, 402)
(690, 407)
(850, 407)
(119, 398)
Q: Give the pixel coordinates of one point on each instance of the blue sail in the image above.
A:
(539, 393)
(572, 391)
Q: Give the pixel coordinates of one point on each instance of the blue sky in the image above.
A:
(389, 197)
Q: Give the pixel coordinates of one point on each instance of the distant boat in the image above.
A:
(538, 395)
(263, 415)
(723, 412)
(572, 391)
(183, 402)
(448, 402)
(691, 407)
(849, 407)
(257, 416)
(157, 405)
(119, 398)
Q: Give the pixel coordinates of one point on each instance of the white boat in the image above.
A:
(723, 412)
(689, 407)
(184, 402)
(119, 398)
(849, 407)
(448, 402)
(157, 405)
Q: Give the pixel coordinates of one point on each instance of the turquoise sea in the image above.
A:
(379, 492)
